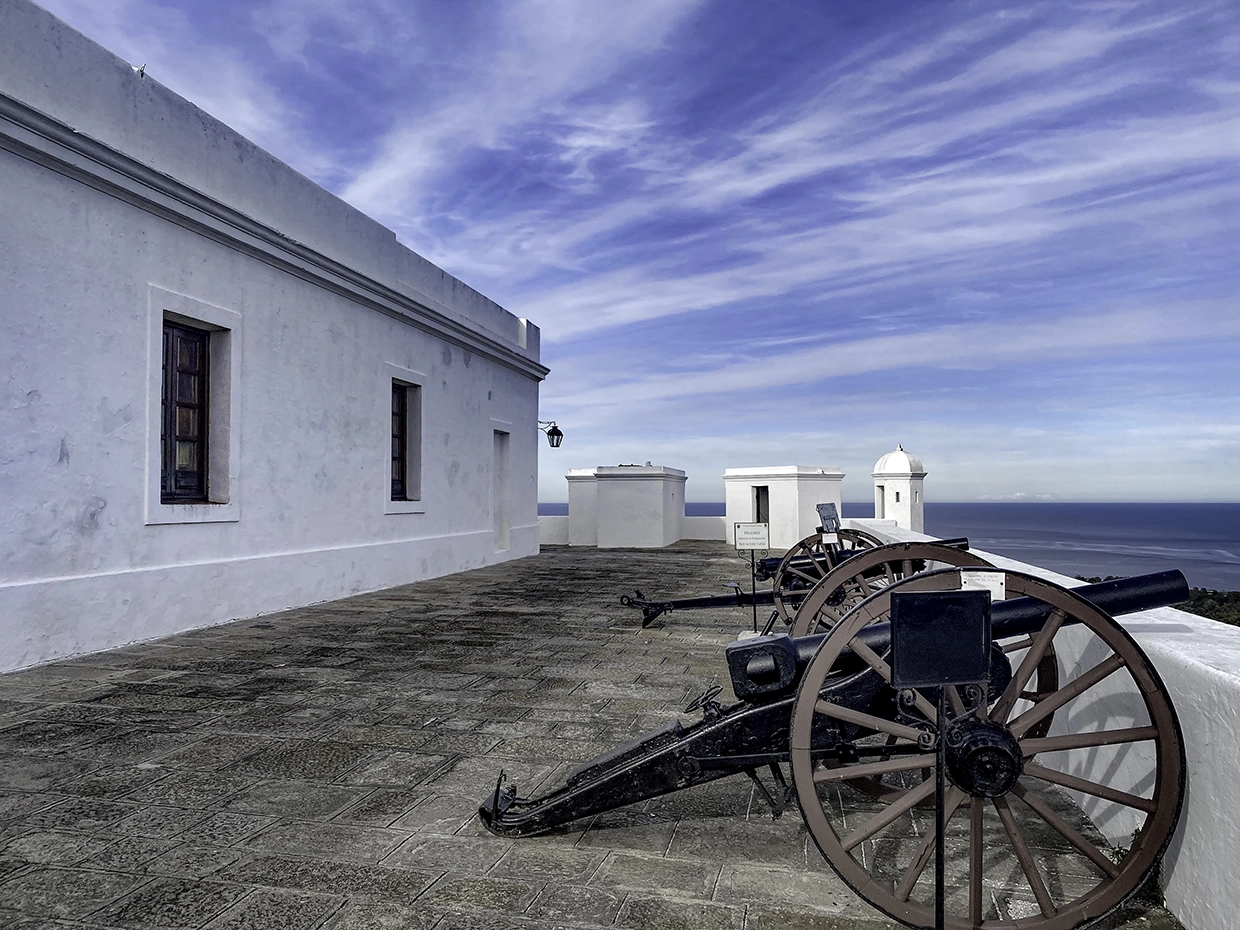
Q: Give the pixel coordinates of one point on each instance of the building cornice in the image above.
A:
(44, 140)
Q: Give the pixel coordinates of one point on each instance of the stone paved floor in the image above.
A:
(321, 768)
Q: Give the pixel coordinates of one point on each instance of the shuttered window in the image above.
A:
(183, 436)
(400, 442)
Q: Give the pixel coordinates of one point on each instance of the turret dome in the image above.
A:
(899, 462)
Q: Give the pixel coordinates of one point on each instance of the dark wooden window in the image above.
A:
(400, 442)
(183, 436)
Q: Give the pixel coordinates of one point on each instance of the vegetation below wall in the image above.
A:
(1204, 602)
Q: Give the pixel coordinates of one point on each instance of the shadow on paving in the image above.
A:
(321, 767)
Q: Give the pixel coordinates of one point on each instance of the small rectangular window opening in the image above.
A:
(897, 497)
(184, 428)
(406, 442)
(400, 441)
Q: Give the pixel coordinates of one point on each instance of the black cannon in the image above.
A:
(855, 572)
(861, 754)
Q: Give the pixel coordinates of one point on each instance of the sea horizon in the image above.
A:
(1202, 539)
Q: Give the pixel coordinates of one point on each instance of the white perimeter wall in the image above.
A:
(553, 530)
(97, 248)
(1199, 662)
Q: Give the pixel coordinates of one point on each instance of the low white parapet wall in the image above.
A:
(1199, 662)
(705, 528)
(553, 530)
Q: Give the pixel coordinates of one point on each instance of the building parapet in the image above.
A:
(124, 133)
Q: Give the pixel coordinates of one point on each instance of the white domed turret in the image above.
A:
(897, 490)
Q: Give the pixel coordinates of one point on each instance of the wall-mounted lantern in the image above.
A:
(555, 435)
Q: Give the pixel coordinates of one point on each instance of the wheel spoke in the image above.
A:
(976, 848)
(953, 698)
(1066, 830)
(895, 810)
(1057, 699)
(869, 721)
(1016, 645)
(1025, 858)
(1031, 747)
(1041, 643)
(953, 800)
(867, 769)
(876, 662)
(1065, 780)
(802, 575)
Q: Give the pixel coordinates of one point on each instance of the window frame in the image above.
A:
(171, 491)
(399, 469)
(221, 502)
(411, 382)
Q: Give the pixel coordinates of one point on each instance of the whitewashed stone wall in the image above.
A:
(122, 203)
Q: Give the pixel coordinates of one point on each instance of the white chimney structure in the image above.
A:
(897, 490)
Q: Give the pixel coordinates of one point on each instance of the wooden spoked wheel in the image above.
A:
(852, 581)
(811, 560)
(861, 576)
(1020, 853)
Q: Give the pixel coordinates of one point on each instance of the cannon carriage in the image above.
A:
(859, 754)
(831, 580)
(831, 570)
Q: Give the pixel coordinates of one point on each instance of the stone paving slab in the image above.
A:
(321, 768)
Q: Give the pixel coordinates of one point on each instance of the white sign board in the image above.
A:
(994, 582)
(753, 535)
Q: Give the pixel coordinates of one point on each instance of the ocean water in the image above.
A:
(1201, 540)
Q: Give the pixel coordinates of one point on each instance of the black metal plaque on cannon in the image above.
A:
(829, 517)
(940, 638)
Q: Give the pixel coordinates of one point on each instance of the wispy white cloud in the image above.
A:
(544, 54)
(975, 347)
(884, 163)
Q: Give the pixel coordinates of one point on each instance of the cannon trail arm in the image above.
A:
(737, 598)
(726, 741)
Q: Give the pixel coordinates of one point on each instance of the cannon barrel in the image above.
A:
(768, 666)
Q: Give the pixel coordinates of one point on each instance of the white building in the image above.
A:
(228, 392)
(624, 506)
(898, 480)
(783, 496)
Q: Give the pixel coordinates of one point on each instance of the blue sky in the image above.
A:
(759, 233)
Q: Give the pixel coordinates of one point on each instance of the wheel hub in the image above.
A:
(983, 758)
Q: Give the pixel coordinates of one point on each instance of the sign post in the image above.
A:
(940, 639)
(753, 536)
